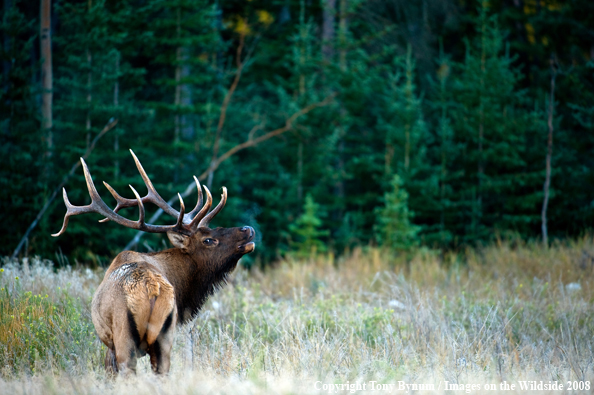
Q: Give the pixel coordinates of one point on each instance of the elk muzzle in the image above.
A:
(247, 245)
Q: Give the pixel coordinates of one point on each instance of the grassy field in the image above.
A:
(507, 312)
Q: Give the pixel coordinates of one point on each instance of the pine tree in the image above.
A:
(402, 121)
(491, 123)
(393, 226)
(407, 142)
(21, 189)
(306, 230)
(441, 213)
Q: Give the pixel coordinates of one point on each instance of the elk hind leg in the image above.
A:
(126, 342)
(111, 365)
(160, 349)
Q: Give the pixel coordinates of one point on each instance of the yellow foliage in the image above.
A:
(265, 17)
(241, 26)
(530, 7)
(552, 5)
(530, 33)
(18, 318)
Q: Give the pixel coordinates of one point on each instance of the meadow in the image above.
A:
(506, 312)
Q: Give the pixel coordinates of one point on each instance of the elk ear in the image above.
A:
(179, 240)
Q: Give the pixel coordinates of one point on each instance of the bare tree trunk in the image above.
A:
(6, 62)
(388, 156)
(177, 101)
(46, 76)
(187, 121)
(477, 215)
(178, 56)
(300, 171)
(285, 13)
(328, 29)
(547, 183)
(89, 93)
(302, 59)
(340, 166)
(89, 84)
(302, 51)
(343, 29)
(409, 117)
(443, 170)
(116, 103)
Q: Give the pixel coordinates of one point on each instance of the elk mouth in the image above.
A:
(248, 245)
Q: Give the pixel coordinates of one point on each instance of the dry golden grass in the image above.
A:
(504, 312)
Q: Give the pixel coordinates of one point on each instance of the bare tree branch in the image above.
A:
(110, 125)
(227, 99)
(547, 183)
(250, 142)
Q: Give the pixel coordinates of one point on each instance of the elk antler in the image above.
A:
(152, 196)
(186, 223)
(206, 220)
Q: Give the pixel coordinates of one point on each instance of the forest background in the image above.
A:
(333, 123)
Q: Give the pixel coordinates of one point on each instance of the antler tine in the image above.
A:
(192, 213)
(152, 194)
(122, 202)
(206, 220)
(140, 206)
(195, 222)
(182, 210)
(98, 206)
(68, 213)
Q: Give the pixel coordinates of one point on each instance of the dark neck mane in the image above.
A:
(196, 284)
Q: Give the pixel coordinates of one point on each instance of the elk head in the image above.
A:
(142, 296)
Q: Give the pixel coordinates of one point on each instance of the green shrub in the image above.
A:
(37, 331)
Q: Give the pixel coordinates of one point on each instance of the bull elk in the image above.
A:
(143, 295)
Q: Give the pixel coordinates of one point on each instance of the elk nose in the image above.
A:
(248, 229)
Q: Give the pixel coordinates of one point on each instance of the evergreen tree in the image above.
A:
(402, 121)
(497, 187)
(306, 230)
(443, 153)
(408, 141)
(21, 188)
(469, 147)
(393, 226)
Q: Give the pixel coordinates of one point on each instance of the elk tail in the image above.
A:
(162, 301)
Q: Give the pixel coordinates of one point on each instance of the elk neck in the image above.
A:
(193, 280)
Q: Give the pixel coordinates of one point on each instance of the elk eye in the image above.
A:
(208, 242)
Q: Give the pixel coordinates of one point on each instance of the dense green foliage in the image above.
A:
(306, 230)
(449, 96)
(393, 228)
(40, 327)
